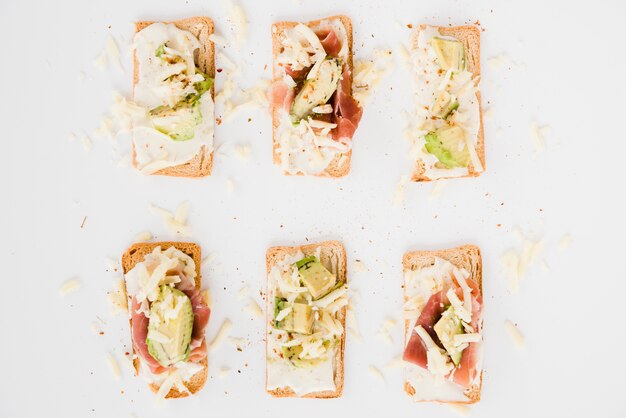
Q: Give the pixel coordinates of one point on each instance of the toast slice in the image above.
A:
(470, 37)
(201, 27)
(332, 255)
(465, 257)
(340, 165)
(135, 254)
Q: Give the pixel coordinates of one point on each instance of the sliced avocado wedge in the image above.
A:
(203, 86)
(178, 123)
(293, 355)
(317, 90)
(317, 279)
(450, 53)
(446, 328)
(444, 105)
(169, 338)
(299, 320)
(449, 146)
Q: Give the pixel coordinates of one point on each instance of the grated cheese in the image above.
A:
(224, 371)
(358, 266)
(101, 61)
(221, 335)
(255, 309)
(69, 286)
(243, 293)
(515, 334)
(118, 297)
(375, 371)
(537, 136)
(87, 144)
(398, 196)
(143, 236)
(243, 152)
(114, 366)
(565, 242)
(114, 53)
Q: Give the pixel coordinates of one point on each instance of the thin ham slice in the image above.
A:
(345, 108)
(330, 41)
(201, 314)
(415, 351)
(282, 95)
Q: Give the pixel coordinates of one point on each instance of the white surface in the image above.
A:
(54, 364)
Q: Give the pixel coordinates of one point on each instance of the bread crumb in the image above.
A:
(515, 334)
(221, 335)
(143, 236)
(358, 266)
(565, 242)
(114, 366)
(243, 293)
(69, 286)
(461, 409)
(375, 371)
(224, 371)
(255, 309)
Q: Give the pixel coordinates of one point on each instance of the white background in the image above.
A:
(565, 70)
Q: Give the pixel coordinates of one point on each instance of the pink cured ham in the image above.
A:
(330, 41)
(282, 95)
(415, 351)
(345, 108)
(201, 314)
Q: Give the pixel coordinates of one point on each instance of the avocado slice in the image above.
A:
(446, 328)
(317, 90)
(179, 122)
(448, 145)
(169, 338)
(299, 320)
(293, 355)
(317, 279)
(444, 105)
(450, 53)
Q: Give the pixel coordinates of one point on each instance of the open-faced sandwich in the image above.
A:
(168, 314)
(449, 137)
(443, 325)
(174, 69)
(314, 114)
(306, 311)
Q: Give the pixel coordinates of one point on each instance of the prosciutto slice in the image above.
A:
(282, 95)
(201, 314)
(346, 109)
(330, 41)
(415, 351)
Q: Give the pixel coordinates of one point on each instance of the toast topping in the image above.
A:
(168, 316)
(305, 331)
(444, 327)
(175, 96)
(447, 122)
(312, 95)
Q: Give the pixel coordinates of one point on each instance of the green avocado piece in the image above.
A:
(446, 328)
(203, 86)
(449, 146)
(317, 90)
(169, 338)
(178, 123)
(299, 320)
(293, 355)
(317, 279)
(160, 50)
(444, 105)
(450, 53)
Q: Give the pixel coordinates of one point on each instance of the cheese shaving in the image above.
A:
(515, 334)
(498, 61)
(395, 363)
(217, 40)
(437, 360)
(375, 371)
(114, 366)
(87, 144)
(358, 266)
(230, 186)
(537, 136)
(224, 371)
(118, 297)
(238, 21)
(101, 61)
(181, 213)
(368, 75)
(114, 53)
(243, 152)
(221, 335)
(143, 236)
(243, 293)
(437, 188)
(516, 263)
(170, 219)
(565, 242)
(255, 309)
(398, 196)
(69, 286)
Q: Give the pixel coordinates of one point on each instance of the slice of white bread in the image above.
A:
(466, 257)
(470, 37)
(135, 254)
(201, 28)
(333, 257)
(339, 166)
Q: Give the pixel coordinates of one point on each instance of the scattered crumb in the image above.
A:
(515, 334)
(143, 236)
(498, 61)
(565, 242)
(114, 366)
(82, 224)
(221, 335)
(170, 221)
(375, 371)
(69, 286)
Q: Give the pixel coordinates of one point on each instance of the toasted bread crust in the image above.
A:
(273, 255)
(470, 37)
(135, 254)
(467, 257)
(338, 166)
(201, 27)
